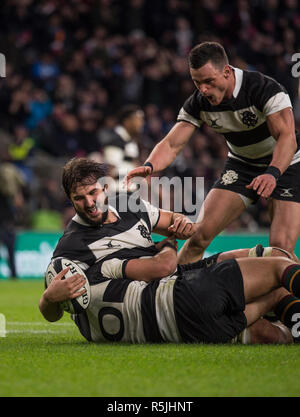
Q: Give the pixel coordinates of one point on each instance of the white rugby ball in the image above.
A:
(76, 305)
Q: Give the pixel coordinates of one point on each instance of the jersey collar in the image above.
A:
(238, 81)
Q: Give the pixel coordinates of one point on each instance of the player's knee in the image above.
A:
(281, 252)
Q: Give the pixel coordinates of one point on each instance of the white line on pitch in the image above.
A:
(35, 331)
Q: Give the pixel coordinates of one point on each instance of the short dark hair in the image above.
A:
(127, 111)
(204, 52)
(81, 171)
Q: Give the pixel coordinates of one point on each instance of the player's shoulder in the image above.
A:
(72, 230)
(192, 107)
(74, 242)
(256, 81)
(195, 99)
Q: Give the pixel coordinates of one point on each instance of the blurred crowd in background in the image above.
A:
(74, 68)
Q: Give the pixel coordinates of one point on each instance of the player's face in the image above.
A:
(136, 122)
(89, 202)
(213, 83)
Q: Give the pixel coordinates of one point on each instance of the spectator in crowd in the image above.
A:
(120, 147)
(70, 65)
(11, 200)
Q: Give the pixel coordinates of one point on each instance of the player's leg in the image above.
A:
(8, 238)
(257, 251)
(233, 254)
(285, 225)
(286, 308)
(219, 209)
(262, 275)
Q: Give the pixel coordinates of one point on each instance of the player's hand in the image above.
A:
(61, 289)
(264, 185)
(183, 227)
(142, 171)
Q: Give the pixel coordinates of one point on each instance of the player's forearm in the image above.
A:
(167, 261)
(162, 155)
(158, 266)
(284, 151)
(282, 127)
(167, 150)
(51, 311)
(174, 224)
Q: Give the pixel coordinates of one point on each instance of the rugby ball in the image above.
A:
(76, 305)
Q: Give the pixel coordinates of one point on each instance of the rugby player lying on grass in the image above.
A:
(138, 293)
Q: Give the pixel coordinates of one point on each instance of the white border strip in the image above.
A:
(48, 328)
(36, 323)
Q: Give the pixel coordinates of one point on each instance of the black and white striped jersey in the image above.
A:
(123, 310)
(242, 119)
(113, 243)
(203, 301)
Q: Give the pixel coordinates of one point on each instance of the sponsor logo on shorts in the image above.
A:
(229, 177)
(287, 193)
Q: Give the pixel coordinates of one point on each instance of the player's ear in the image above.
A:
(226, 71)
(105, 188)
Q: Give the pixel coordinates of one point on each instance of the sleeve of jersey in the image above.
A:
(190, 112)
(272, 96)
(153, 213)
(276, 103)
(114, 268)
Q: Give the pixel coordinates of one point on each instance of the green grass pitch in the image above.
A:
(44, 359)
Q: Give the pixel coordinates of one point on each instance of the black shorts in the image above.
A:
(203, 263)
(236, 175)
(209, 303)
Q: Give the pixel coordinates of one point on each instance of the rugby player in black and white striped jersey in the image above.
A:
(254, 113)
(104, 229)
(138, 293)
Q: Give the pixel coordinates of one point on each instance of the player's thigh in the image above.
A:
(261, 275)
(285, 225)
(219, 209)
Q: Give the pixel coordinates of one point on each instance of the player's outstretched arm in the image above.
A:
(175, 224)
(164, 152)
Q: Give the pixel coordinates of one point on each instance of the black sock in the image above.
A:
(291, 279)
(288, 312)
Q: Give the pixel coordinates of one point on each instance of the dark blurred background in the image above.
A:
(72, 65)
